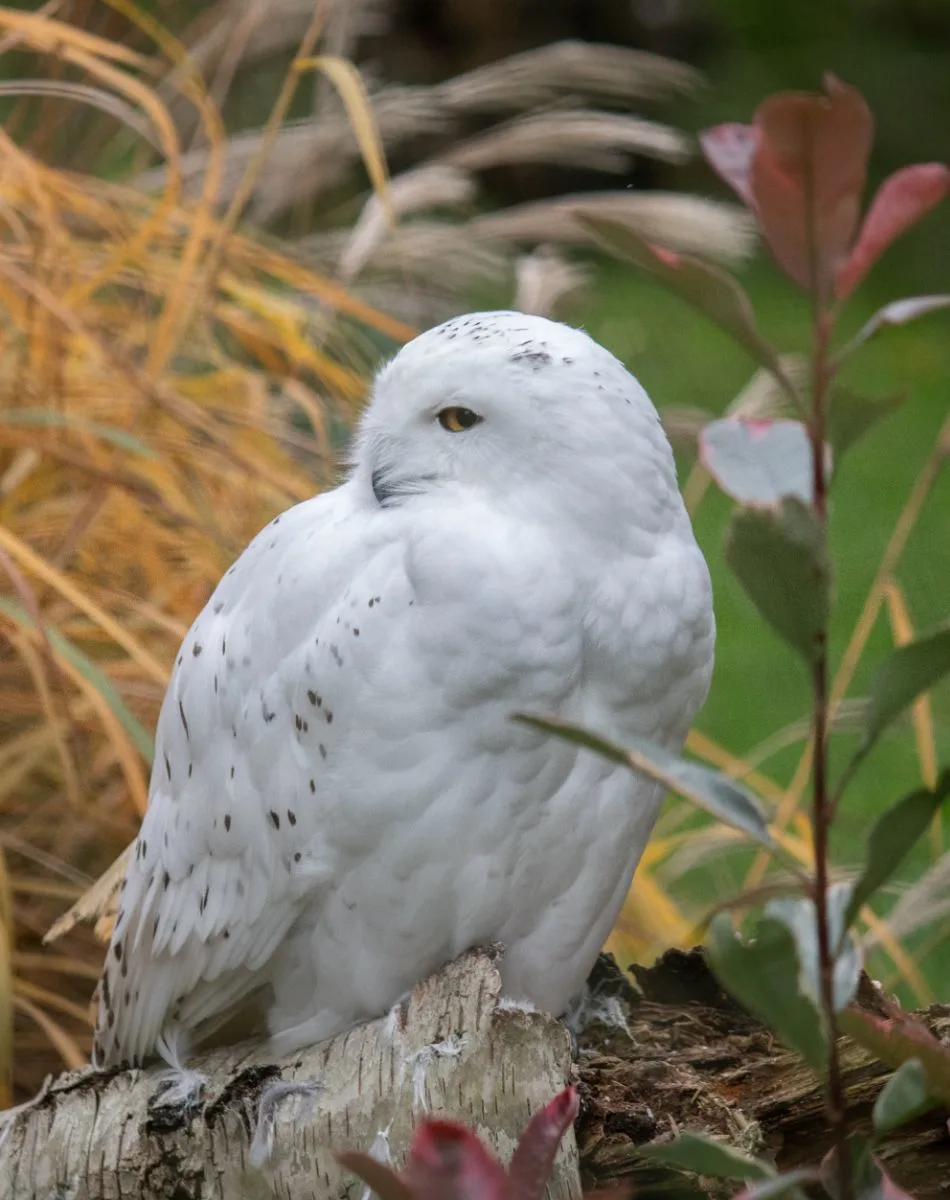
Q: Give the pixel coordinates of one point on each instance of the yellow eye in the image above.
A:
(455, 420)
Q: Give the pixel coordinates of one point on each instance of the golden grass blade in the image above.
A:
(55, 726)
(922, 712)
(648, 920)
(310, 283)
(186, 290)
(100, 900)
(64, 1043)
(245, 188)
(52, 37)
(66, 588)
(50, 1000)
(907, 968)
(734, 765)
(352, 91)
(129, 739)
(51, 418)
(87, 52)
(59, 964)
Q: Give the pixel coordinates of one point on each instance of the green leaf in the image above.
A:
(88, 669)
(763, 975)
(715, 793)
(901, 678)
(850, 416)
(758, 462)
(799, 917)
(706, 1156)
(714, 292)
(780, 556)
(902, 1098)
(893, 837)
(897, 1039)
(786, 1185)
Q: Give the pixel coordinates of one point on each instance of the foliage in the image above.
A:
(801, 168)
(446, 1161)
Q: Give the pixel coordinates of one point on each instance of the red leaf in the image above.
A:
(728, 149)
(808, 172)
(448, 1162)
(901, 201)
(537, 1146)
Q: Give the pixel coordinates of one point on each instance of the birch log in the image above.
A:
(451, 1050)
(672, 1053)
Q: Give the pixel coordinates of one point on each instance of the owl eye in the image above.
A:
(455, 420)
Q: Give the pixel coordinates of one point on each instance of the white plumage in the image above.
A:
(340, 802)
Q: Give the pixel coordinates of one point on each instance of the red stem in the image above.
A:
(822, 812)
(823, 319)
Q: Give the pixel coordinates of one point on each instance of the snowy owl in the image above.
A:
(340, 801)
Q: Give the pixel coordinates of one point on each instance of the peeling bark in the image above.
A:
(688, 1058)
(104, 1136)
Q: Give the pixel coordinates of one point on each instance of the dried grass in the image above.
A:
(564, 105)
(162, 395)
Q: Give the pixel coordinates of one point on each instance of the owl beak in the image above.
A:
(387, 489)
(384, 488)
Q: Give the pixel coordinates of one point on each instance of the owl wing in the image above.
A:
(230, 847)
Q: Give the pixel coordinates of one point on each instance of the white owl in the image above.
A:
(340, 801)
